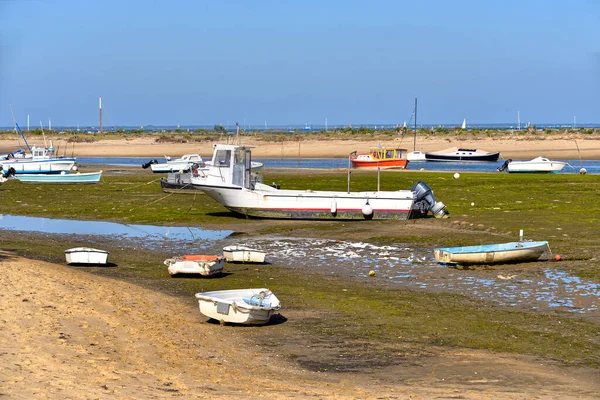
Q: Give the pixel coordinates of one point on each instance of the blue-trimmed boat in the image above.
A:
(502, 253)
(88, 177)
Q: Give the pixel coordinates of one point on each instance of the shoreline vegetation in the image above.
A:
(528, 143)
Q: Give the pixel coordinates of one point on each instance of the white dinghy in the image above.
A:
(243, 254)
(240, 306)
(86, 255)
(195, 264)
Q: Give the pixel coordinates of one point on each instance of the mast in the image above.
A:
(100, 105)
(17, 129)
(415, 139)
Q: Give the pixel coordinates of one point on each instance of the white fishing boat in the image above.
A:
(416, 156)
(184, 163)
(243, 254)
(241, 306)
(42, 161)
(205, 265)
(87, 177)
(491, 253)
(86, 255)
(537, 165)
(228, 180)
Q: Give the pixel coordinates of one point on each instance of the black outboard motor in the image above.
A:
(504, 166)
(9, 172)
(149, 163)
(425, 201)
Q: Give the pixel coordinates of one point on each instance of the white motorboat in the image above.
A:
(243, 254)
(456, 154)
(416, 156)
(42, 161)
(86, 255)
(492, 253)
(228, 180)
(539, 164)
(241, 306)
(195, 264)
(184, 163)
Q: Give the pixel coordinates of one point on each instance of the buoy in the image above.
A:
(367, 210)
(472, 204)
(557, 257)
(371, 273)
(74, 168)
(583, 171)
(456, 175)
(333, 206)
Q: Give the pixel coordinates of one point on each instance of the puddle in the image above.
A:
(404, 266)
(152, 234)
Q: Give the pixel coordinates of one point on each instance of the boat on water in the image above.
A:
(537, 165)
(239, 306)
(502, 253)
(243, 254)
(416, 156)
(380, 157)
(456, 154)
(204, 265)
(184, 163)
(72, 178)
(41, 160)
(228, 180)
(86, 255)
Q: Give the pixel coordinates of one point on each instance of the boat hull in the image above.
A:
(179, 183)
(229, 306)
(491, 157)
(505, 253)
(29, 166)
(533, 167)
(379, 164)
(243, 254)
(86, 255)
(204, 265)
(292, 204)
(90, 178)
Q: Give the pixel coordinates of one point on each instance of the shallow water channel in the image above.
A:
(535, 285)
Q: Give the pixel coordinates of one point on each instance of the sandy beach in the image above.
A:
(517, 147)
(68, 334)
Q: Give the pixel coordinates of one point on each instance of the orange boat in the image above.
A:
(382, 157)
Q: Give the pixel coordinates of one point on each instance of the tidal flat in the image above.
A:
(354, 322)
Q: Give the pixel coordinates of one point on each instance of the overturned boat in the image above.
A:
(197, 264)
(228, 180)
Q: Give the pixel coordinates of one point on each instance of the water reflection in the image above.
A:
(77, 227)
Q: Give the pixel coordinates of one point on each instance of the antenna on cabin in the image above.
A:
(100, 106)
(43, 134)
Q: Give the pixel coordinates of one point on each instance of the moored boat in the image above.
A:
(243, 254)
(537, 165)
(502, 253)
(42, 161)
(228, 180)
(416, 156)
(240, 306)
(87, 177)
(380, 157)
(179, 182)
(456, 154)
(86, 255)
(205, 265)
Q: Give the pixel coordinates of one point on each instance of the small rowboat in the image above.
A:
(243, 254)
(195, 264)
(87, 177)
(502, 253)
(86, 255)
(240, 306)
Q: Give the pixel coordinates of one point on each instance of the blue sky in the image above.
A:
(196, 62)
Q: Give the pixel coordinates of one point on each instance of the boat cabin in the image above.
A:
(387, 153)
(230, 165)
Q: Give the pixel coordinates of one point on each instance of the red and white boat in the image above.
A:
(380, 157)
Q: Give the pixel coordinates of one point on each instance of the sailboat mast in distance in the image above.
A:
(100, 106)
(415, 139)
